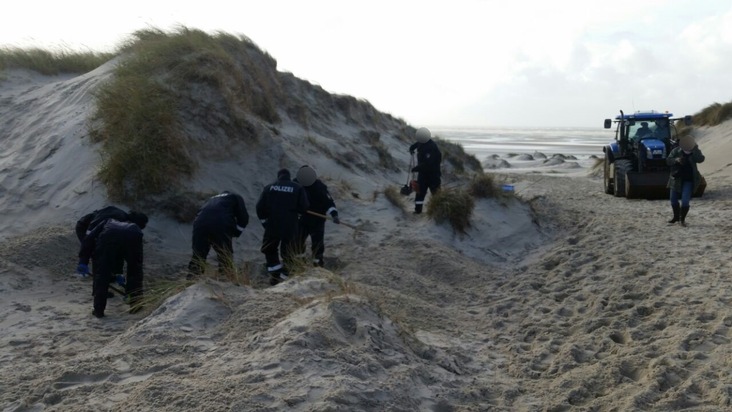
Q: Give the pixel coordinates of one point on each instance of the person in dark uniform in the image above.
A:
(278, 208)
(108, 243)
(322, 203)
(88, 222)
(222, 217)
(428, 167)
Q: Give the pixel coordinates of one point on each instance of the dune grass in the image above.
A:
(454, 206)
(145, 147)
(713, 114)
(454, 154)
(484, 186)
(392, 194)
(51, 63)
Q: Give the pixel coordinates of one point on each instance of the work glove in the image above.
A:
(411, 151)
(336, 220)
(83, 269)
(120, 279)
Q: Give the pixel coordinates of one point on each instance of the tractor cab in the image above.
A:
(635, 163)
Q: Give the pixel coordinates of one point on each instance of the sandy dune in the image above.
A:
(561, 298)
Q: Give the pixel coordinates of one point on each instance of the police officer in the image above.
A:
(108, 243)
(222, 217)
(278, 208)
(88, 222)
(322, 203)
(428, 166)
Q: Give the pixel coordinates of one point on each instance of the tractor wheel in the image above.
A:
(608, 184)
(622, 167)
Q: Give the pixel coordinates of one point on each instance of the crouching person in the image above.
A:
(108, 243)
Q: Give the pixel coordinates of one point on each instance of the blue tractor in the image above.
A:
(635, 163)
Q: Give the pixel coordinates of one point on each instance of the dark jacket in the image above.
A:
(279, 205)
(676, 177)
(225, 212)
(429, 158)
(321, 202)
(87, 223)
(103, 238)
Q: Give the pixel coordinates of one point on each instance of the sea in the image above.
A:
(582, 143)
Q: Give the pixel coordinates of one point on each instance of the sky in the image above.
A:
(457, 63)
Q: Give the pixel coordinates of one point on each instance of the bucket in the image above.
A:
(507, 188)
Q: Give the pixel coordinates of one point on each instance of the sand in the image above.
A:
(558, 298)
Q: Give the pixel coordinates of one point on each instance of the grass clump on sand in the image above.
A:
(145, 148)
(454, 206)
(713, 114)
(484, 186)
(453, 154)
(51, 63)
(394, 197)
(143, 151)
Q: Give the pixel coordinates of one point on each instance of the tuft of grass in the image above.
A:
(454, 206)
(144, 145)
(51, 63)
(713, 114)
(455, 155)
(484, 186)
(156, 291)
(392, 194)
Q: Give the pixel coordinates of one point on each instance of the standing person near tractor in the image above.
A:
(684, 177)
(278, 209)
(221, 218)
(312, 224)
(428, 167)
(110, 242)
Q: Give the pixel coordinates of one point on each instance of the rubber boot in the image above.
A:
(417, 209)
(684, 211)
(677, 211)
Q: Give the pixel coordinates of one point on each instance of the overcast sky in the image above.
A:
(511, 63)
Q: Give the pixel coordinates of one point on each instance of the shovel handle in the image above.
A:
(310, 212)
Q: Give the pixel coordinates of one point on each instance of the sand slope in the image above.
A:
(562, 298)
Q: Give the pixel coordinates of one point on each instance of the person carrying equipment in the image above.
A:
(278, 208)
(222, 217)
(313, 224)
(429, 175)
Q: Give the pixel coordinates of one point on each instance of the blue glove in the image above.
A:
(83, 269)
(121, 280)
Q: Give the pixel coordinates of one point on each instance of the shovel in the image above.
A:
(310, 212)
(409, 187)
(356, 228)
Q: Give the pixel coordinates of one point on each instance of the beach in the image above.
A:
(557, 298)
